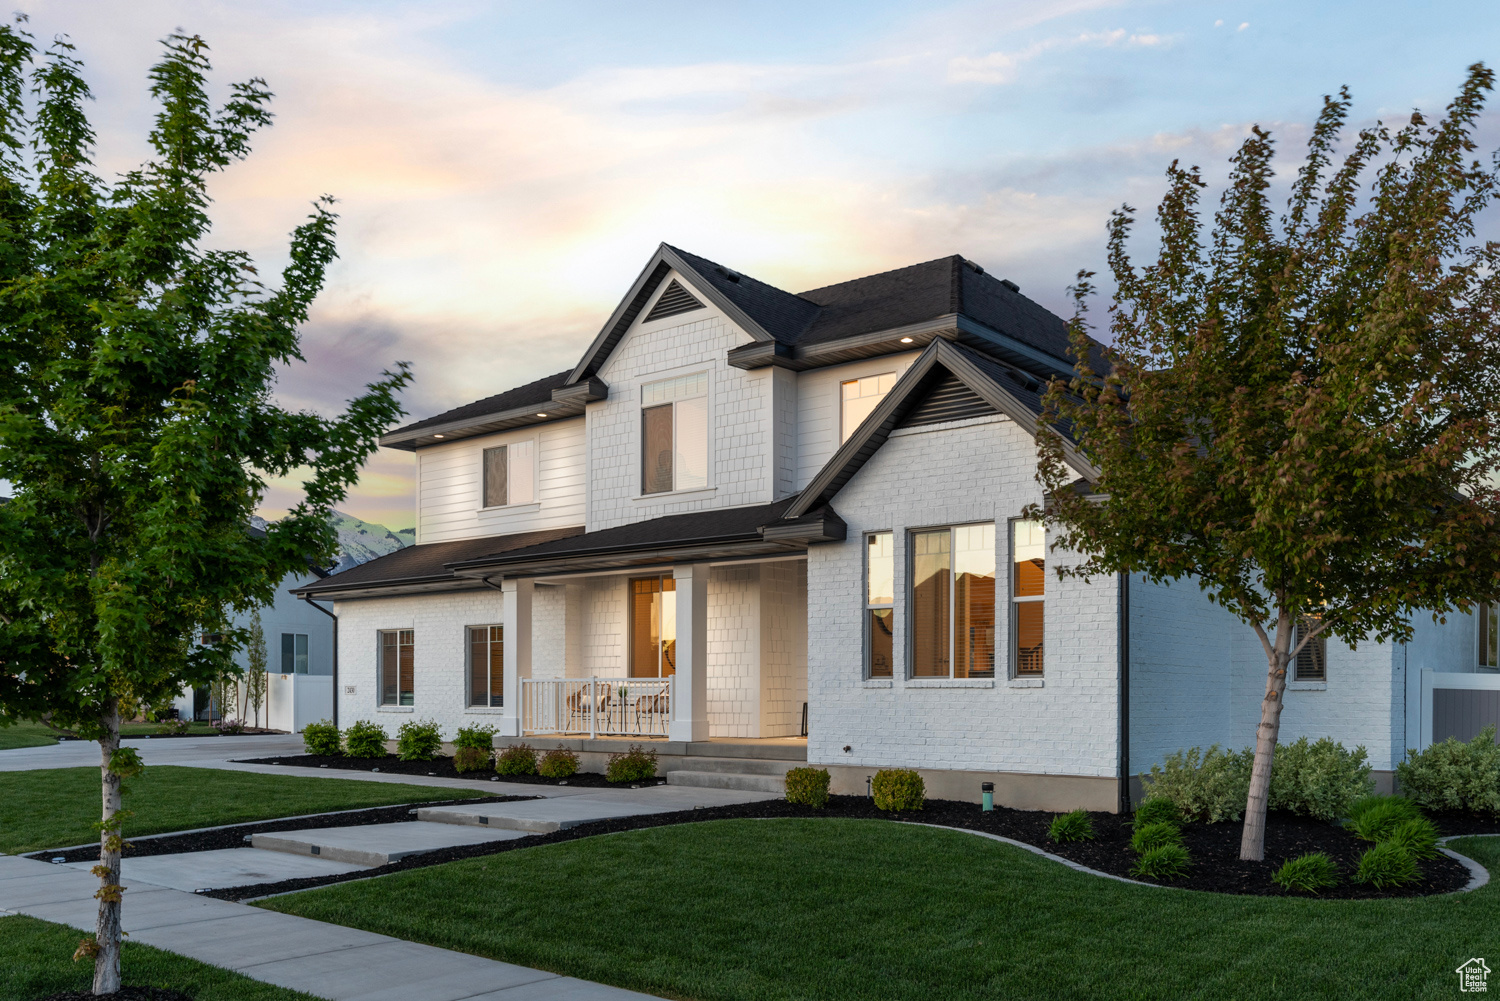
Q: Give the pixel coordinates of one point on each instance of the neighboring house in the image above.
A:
(747, 514)
(299, 662)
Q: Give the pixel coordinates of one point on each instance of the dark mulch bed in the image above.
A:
(441, 767)
(125, 993)
(235, 835)
(1454, 824)
(1214, 847)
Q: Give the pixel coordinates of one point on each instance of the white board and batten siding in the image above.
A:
(450, 484)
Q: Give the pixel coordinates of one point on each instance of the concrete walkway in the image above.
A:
(341, 964)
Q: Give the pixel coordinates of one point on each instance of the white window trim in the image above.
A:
(866, 608)
(1012, 654)
(911, 680)
(838, 402)
(468, 678)
(637, 437)
(535, 503)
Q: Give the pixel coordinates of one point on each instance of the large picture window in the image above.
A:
(880, 596)
(1028, 589)
(293, 653)
(1489, 635)
(486, 666)
(674, 434)
(396, 670)
(953, 602)
(510, 474)
(858, 399)
(653, 627)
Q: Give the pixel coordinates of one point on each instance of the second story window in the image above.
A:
(510, 474)
(674, 434)
(858, 398)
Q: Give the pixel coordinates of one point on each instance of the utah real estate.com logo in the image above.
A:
(1471, 976)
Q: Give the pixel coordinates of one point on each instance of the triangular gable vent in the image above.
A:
(674, 300)
(950, 400)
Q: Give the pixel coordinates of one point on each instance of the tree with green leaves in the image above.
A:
(1301, 415)
(137, 423)
(255, 667)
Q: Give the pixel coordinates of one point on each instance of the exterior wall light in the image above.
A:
(988, 794)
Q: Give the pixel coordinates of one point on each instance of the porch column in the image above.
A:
(515, 620)
(690, 698)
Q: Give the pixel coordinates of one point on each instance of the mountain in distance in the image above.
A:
(360, 541)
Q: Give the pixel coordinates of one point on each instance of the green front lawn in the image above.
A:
(36, 957)
(195, 729)
(56, 807)
(26, 734)
(841, 909)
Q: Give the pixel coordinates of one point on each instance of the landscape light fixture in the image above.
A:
(988, 795)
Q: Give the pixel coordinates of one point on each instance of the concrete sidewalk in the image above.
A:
(329, 961)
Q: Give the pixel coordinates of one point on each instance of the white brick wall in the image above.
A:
(949, 475)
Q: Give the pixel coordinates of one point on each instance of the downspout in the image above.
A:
(335, 619)
(1123, 641)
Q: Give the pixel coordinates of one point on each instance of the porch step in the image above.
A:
(734, 766)
(728, 780)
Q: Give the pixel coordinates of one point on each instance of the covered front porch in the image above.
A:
(692, 631)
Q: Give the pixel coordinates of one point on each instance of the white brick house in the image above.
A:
(747, 515)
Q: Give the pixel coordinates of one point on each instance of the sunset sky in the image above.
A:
(505, 169)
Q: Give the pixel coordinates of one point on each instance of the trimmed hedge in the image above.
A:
(470, 759)
(558, 763)
(898, 789)
(365, 740)
(633, 765)
(418, 740)
(517, 759)
(1319, 779)
(808, 786)
(321, 737)
(480, 737)
(1454, 775)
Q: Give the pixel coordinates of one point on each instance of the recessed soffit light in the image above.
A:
(906, 340)
(541, 415)
(437, 436)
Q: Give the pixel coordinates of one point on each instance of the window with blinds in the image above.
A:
(880, 600)
(486, 666)
(1028, 590)
(510, 474)
(674, 434)
(953, 602)
(397, 668)
(1312, 659)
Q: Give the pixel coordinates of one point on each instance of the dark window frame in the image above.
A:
(494, 634)
(867, 627)
(392, 672)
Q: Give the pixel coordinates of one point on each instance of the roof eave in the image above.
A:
(567, 402)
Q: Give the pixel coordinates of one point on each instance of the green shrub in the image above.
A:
(1307, 873)
(808, 786)
(479, 737)
(365, 740)
(1204, 785)
(1149, 836)
(517, 759)
(1418, 837)
(1320, 779)
(1454, 775)
(1164, 862)
(633, 765)
(1074, 826)
(470, 759)
(418, 740)
(321, 737)
(898, 789)
(1387, 864)
(1157, 810)
(1375, 817)
(558, 763)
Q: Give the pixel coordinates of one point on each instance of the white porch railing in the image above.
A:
(608, 707)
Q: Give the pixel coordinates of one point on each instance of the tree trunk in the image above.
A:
(107, 931)
(1253, 839)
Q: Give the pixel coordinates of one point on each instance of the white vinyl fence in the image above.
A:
(610, 707)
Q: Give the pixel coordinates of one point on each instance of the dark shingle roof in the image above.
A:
(533, 394)
(426, 563)
(719, 525)
(781, 314)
